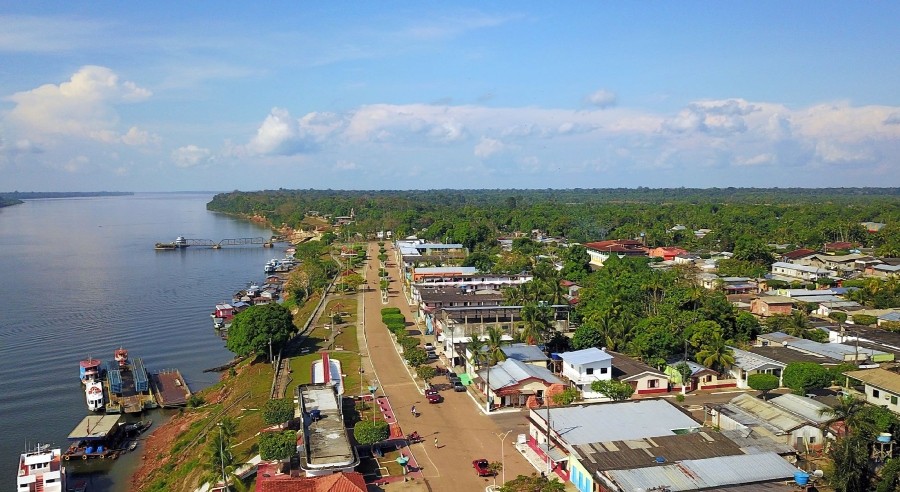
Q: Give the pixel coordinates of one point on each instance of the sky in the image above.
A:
(177, 96)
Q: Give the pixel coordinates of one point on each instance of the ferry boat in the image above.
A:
(89, 370)
(41, 470)
(93, 393)
(180, 243)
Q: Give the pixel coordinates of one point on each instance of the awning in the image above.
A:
(556, 455)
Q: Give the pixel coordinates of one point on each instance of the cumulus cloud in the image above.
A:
(601, 98)
(713, 117)
(84, 106)
(892, 119)
(190, 156)
(488, 147)
(281, 134)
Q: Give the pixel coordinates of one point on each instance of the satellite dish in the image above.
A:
(818, 474)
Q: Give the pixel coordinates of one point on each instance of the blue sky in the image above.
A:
(168, 96)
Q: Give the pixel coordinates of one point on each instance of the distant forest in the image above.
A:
(476, 218)
(16, 197)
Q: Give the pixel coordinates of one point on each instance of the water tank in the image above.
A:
(884, 437)
(801, 477)
(99, 449)
(89, 450)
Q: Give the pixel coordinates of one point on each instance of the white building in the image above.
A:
(800, 272)
(583, 367)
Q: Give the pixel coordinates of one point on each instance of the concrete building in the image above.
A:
(326, 446)
(583, 367)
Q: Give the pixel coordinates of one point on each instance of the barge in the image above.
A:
(180, 243)
(96, 437)
(128, 385)
(170, 388)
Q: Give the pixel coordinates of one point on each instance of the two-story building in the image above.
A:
(793, 271)
(600, 251)
(881, 386)
(583, 367)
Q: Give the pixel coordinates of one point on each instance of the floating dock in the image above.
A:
(129, 387)
(97, 436)
(170, 388)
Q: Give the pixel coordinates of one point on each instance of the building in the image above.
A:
(600, 251)
(793, 271)
(797, 254)
(326, 446)
(797, 421)
(700, 378)
(511, 382)
(881, 387)
(645, 379)
(747, 363)
(836, 352)
(272, 477)
(583, 367)
(529, 354)
(771, 305)
(640, 445)
(667, 253)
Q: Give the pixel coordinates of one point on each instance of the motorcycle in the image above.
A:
(414, 437)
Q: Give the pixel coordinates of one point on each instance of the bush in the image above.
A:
(838, 316)
(367, 433)
(393, 318)
(415, 356)
(763, 382)
(278, 411)
(891, 325)
(195, 401)
(864, 319)
(407, 342)
(801, 377)
(389, 310)
(277, 445)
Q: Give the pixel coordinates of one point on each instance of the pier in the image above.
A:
(182, 243)
(170, 388)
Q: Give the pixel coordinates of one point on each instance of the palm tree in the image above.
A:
(716, 354)
(476, 347)
(495, 346)
(849, 411)
(535, 320)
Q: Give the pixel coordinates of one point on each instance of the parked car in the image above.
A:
(452, 377)
(482, 467)
(433, 396)
(458, 386)
(429, 347)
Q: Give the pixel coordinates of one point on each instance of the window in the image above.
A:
(875, 393)
(603, 370)
(812, 440)
(893, 400)
(653, 383)
(589, 370)
(708, 379)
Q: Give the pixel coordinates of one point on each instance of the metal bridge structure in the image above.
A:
(240, 241)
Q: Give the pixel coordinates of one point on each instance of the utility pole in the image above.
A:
(222, 455)
(502, 456)
(547, 403)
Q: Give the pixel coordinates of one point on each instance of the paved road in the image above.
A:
(463, 432)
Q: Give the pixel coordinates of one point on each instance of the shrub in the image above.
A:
(415, 356)
(277, 445)
(838, 316)
(763, 382)
(367, 433)
(864, 319)
(407, 342)
(801, 377)
(389, 310)
(278, 411)
(195, 401)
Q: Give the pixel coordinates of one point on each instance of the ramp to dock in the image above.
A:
(170, 388)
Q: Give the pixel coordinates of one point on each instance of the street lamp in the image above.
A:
(502, 457)
(222, 454)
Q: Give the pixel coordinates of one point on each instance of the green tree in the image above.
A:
(494, 344)
(277, 445)
(415, 356)
(278, 411)
(427, 373)
(763, 382)
(533, 483)
(254, 328)
(801, 377)
(565, 397)
(851, 471)
(218, 453)
(367, 433)
(614, 390)
(716, 354)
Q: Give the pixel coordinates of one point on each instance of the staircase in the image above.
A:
(39, 484)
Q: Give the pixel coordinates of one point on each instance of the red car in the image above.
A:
(433, 396)
(482, 468)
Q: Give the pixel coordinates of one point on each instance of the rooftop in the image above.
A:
(524, 352)
(622, 421)
(585, 356)
(327, 445)
(879, 378)
(511, 372)
(94, 427)
(612, 455)
(749, 361)
(625, 367)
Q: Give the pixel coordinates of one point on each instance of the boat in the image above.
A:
(89, 369)
(96, 436)
(121, 356)
(138, 428)
(127, 385)
(93, 393)
(132, 446)
(180, 243)
(41, 470)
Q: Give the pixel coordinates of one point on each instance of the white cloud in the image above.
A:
(190, 156)
(601, 98)
(488, 147)
(281, 134)
(84, 106)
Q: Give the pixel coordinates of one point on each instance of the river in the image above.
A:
(82, 279)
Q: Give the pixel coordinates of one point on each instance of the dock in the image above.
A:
(96, 436)
(129, 388)
(170, 388)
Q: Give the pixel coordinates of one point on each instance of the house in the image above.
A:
(793, 271)
(842, 263)
(771, 305)
(838, 246)
(836, 352)
(700, 378)
(224, 311)
(797, 421)
(583, 367)
(645, 379)
(881, 387)
(511, 382)
(738, 285)
(883, 270)
(600, 251)
(747, 363)
(797, 254)
(667, 253)
(641, 444)
(272, 477)
(529, 354)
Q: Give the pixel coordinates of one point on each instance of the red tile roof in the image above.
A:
(799, 253)
(337, 482)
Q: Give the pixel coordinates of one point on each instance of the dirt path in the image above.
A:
(463, 432)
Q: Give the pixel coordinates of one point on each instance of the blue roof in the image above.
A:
(892, 316)
(585, 356)
(511, 372)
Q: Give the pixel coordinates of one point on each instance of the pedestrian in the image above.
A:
(435, 442)
(414, 411)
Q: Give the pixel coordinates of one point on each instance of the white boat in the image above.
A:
(41, 470)
(93, 393)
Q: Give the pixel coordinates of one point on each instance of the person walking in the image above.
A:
(415, 414)
(435, 442)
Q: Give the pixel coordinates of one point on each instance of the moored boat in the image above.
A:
(93, 393)
(41, 470)
(180, 242)
(89, 369)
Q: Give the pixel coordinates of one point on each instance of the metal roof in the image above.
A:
(524, 352)
(892, 316)
(585, 356)
(621, 421)
(705, 473)
(459, 270)
(94, 427)
(879, 378)
(811, 410)
(799, 268)
(782, 419)
(836, 351)
(749, 361)
(511, 372)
